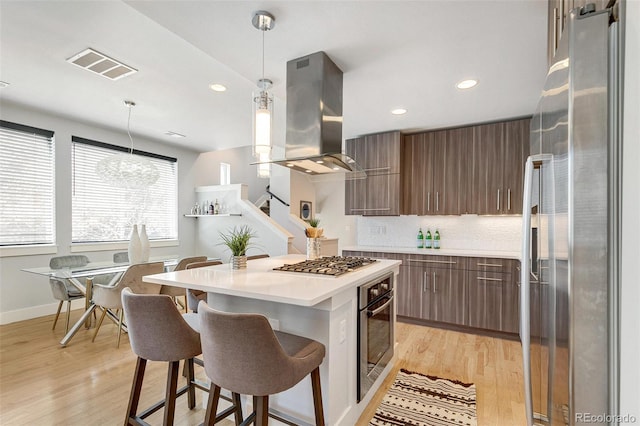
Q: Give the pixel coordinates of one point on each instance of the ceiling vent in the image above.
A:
(101, 64)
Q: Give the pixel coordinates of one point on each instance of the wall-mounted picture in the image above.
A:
(305, 210)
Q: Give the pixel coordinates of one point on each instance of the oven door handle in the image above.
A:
(381, 308)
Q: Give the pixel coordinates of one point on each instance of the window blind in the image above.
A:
(103, 213)
(27, 185)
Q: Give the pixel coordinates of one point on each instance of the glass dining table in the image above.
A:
(82, 278)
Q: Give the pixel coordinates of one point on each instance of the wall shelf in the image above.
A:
(213, 215)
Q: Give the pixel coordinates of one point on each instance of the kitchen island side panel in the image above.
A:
(336, 328)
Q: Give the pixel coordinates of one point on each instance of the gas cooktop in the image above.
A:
(329, 265)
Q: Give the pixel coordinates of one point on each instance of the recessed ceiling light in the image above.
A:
(466, 84)
(289, 165)
(398, 111)
(218, 87)
(319, 161)
(4, 84)
(336, 168)
(174, 134)
(308, 171)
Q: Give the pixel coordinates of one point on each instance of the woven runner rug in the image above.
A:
(417, 399)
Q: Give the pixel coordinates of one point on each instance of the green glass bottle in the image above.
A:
(420, 239)
(427, 241)
(436, 240)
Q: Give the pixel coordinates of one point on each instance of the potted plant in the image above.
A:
(238, 240)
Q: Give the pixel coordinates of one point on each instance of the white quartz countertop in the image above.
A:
(439, 252)
(260, 281)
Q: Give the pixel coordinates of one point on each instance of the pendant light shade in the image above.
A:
(263, 103)
(128, 171)
(262, 119)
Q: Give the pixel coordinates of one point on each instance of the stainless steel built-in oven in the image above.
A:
(376, 319)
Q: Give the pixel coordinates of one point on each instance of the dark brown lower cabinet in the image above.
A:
(473, 292)
(443, 289)
(408, 293)
(486, 298)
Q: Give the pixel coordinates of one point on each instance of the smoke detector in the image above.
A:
(96, 62)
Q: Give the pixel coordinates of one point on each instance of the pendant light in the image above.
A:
(128, 171)
(263, 103)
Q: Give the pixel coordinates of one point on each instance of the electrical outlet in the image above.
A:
(343, 330)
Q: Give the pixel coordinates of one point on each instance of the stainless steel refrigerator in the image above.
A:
(570, 237)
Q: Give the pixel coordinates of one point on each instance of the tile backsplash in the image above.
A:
(499, 233)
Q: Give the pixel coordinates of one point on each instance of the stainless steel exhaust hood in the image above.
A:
(314, 117)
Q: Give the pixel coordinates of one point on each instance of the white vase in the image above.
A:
(144, 243)
(313, 248)
(135, 247)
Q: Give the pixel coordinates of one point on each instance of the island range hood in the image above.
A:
(314, 118)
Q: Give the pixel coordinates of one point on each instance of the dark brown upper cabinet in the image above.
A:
(436, 172)
(500, 151)
(379, 193)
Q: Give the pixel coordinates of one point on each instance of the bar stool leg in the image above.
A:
(212, 405)
(170, 399)
(238, 404)
(191, 392)
(317, 396)
(262, 410)
(136, 387)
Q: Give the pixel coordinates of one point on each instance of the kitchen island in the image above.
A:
(324, 308)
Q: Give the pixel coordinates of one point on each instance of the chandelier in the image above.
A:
(263, 103)
(128, 171)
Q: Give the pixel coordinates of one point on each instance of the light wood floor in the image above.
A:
(88, 383)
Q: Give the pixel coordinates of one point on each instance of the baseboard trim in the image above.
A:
(36, 311)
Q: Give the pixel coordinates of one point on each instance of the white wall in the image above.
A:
(630, 291)
(24, 295)
(269, 237)
(207, 170)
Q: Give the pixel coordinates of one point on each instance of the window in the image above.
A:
(27, 185)
(104, 213)
(225, 174)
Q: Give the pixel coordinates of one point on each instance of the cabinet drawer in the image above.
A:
(426, 261)
(490, 264)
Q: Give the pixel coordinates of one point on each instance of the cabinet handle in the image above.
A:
(435, 283)
(488, 279)
(509, 199)
(428, 201)
(448, 262)
(498, 205)
(489, 264)
(437, 201)
(424, 281)
(372, 209)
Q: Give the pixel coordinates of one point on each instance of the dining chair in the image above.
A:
(121, 257)
(243, 354)
(61, 287)
(195, 296)
(108, 297)
(176, 292)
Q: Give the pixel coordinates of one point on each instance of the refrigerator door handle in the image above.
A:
(525, 281)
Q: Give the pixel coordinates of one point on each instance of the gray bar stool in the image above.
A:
(158, 332)
(244, 355)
